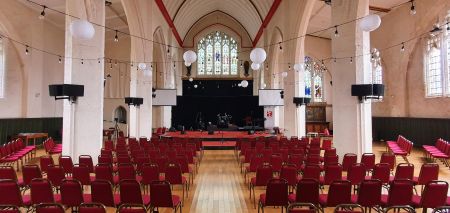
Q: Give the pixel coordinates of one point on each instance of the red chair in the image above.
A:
(326, 144)
(174, 176)
(81, 173)
(44, 161)
(91, 208)
(256, 162)
(307, 192)
(349, 208)
(356, 174)
(428, 172)
(389, 159)
(185, 168)
(302, 208)
(140, 161)
(102, 192)
(66, 163)
(30, 172)
(311, 172)
(263, 174)
(289, 173)
(400, 193)
(297, 160)
(41, 192)
(368, 159)
(339, 193)
(131, 208)
(72, 194)
(10, 194)
(434, 195)
(126, 172)
(369, 194)
(162, 196)
(130, 192)
(9, 209)
(105, 172)
(403, 208)
(50, 208)
(330, 159)
(123, 159)
(403, 171)
(87, 161)
(55, 174)
(150, 172)
(8, 172)
(381, 172)
(277, 162)
(349, 160)
(276, 194)
(332, 173)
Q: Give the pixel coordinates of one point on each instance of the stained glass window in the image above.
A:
(314, 77)
(217, 55)
(377, 69)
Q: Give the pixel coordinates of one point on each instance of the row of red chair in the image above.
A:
(72, 195)
(51, 147)
(16, 152)
(82, 208)
(441, 151)
(402, 147)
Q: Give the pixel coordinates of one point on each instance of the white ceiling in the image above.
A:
(250, 13)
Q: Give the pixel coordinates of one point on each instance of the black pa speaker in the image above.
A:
(378, 89)
(69, 90)
(134, 101)
(301, 100)
(362, 90)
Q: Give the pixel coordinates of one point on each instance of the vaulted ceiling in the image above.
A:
(250, 13)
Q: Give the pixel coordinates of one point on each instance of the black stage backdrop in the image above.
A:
(212, 97)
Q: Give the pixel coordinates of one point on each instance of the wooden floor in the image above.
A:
(219, 185)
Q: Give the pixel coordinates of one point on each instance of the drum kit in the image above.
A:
(223, 121)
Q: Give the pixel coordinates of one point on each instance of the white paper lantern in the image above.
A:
(189, 56)
(142, 66)
(264, 85)
(187, 64)
(370, 23)
(191, 79)
(284, 74)
(244, 83)
(258, 55)
(298, 67)
(147, 73)
(239, 85)
(255, 66)
(195, 86)
(82, 29)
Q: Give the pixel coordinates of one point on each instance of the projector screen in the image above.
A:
(270, 97)
(165, 97)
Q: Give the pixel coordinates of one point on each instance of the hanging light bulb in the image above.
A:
(448, 26)
(168, 50)
(110, 67)
(351, 60)
(26, 50)
(336, 33)
(334, 60)
(413, 8)
(116, 38)
(402, 49)
(59, 60)
(42, 15)
(82, 61)
(99, 61)
(191, 79)
(281, 47)
(115, 63)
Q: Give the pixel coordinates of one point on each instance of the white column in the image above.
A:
(83, 120)
(352, 121)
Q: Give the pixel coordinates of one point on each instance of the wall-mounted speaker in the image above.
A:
(301, 100)
(378, 90)
(368, 91)
(135, 101)
(66, 91)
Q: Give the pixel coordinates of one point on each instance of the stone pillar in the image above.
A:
(83, 120)
(352, 121)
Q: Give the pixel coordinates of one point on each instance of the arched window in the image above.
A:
(314, 78)
(120, 114)
(377, 69)
(217, 55)
(2, 68)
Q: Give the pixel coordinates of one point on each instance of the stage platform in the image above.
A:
(218, 145)
(217, 136)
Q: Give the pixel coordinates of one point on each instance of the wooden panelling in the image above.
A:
(419, 130)
(12, 126)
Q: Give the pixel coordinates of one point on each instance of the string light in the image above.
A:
(281, 47)
(110, 66)
(42, 15)
(336, 33)
(403, 47)
(82, 61)
(26, 50)
(334, 60)
(115, 63)
(60, 60)
(413, 8)
(168, 50)
(351, 60)
(448, 26)
(116, 38)
(99, 61)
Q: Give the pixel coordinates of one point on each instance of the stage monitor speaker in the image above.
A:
(362, 90)
(134, 101)
(69, 90)
(378, 90)
(301, 100)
